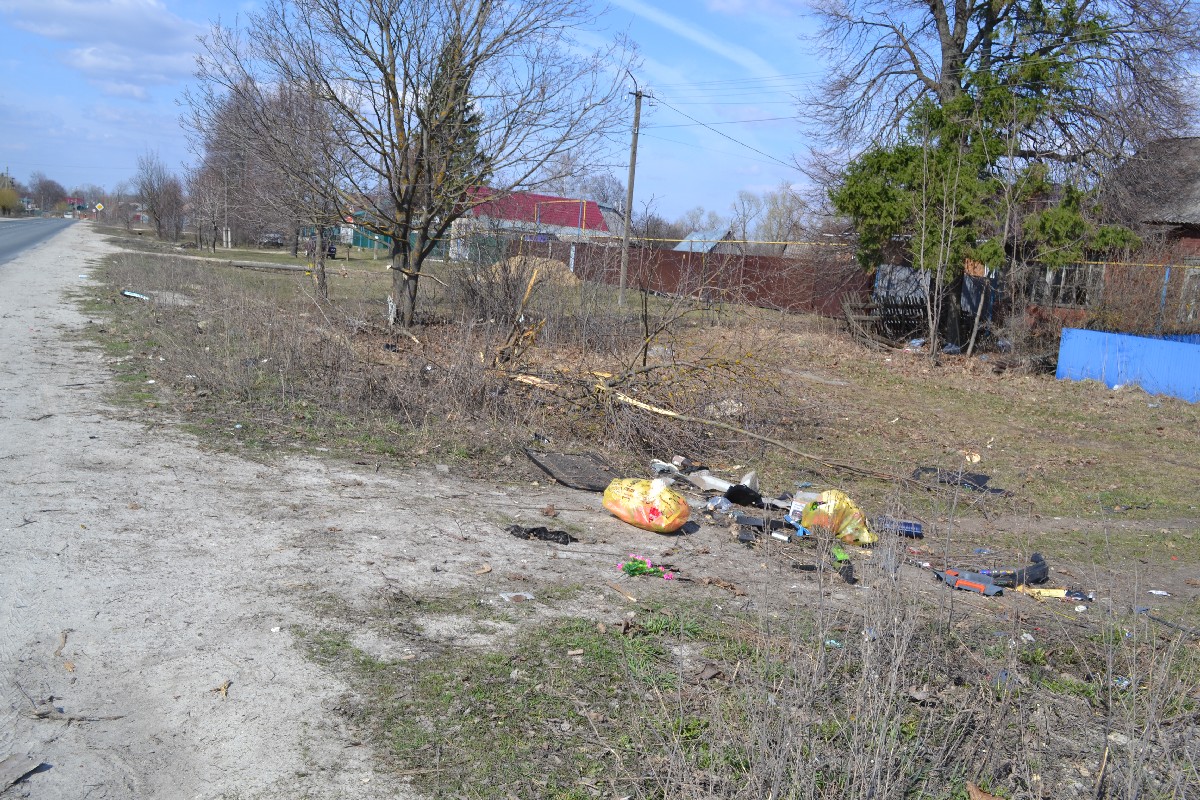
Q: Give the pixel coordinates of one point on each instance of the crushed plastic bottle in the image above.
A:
(719, 505)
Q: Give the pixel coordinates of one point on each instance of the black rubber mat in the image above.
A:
(586, 471)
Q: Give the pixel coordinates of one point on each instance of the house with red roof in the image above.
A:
(533, 217)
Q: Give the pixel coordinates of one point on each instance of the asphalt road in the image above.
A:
(18, 235)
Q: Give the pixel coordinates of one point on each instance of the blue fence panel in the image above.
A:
(1159, 366)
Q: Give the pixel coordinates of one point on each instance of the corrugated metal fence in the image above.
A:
(817, 284)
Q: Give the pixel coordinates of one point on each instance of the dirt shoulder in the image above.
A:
(140, 575)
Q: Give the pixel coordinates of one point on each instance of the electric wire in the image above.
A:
(727, 136)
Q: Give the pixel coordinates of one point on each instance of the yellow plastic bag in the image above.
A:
(836, 512)
(650, 505)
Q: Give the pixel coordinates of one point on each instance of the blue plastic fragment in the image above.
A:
(907, 528)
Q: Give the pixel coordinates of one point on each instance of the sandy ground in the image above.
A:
(138, 575)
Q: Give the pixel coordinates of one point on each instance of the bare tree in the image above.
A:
(698, 219)
(426, 101)
(566, 176)
(206, 192)
(46, 192)
(1101, 77)
(162, 194)
(653, 230)
(746, 210)
(119, 205)
(786, 217)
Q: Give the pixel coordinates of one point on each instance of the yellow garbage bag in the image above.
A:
(650, 505)
(836, 512)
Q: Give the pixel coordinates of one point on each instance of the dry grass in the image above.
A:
(903, 690)
(262, 341)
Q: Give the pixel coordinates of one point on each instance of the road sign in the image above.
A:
(99, 206)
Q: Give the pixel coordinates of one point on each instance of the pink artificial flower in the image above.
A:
(668, 577)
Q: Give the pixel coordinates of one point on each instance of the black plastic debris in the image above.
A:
(975, 481)
(1038, 571)
(742, 495)
(542, 533)
(748, 521)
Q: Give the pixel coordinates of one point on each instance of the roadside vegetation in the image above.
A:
(792, 685)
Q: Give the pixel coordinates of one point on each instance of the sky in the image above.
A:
(86, 86)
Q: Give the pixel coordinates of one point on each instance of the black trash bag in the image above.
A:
(742, 495)
(544, 534)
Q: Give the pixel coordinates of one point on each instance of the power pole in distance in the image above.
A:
(637, 118)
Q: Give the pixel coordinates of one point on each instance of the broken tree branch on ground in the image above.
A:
(621, 397)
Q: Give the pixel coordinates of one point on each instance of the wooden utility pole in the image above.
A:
(637, 119)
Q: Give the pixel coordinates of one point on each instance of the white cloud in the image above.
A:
(120, 46)
(144, 25)
(767, 7)
(107, 61)
(747, 59)
(119, 89)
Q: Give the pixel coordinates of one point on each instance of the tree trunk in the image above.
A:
(934, 299)
(408, 310)
(983, 296)
(952, 312)
(319, 266)
(402, 302)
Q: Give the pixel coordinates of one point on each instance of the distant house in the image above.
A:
(1157, 192)
(711, 241)
(532, 217)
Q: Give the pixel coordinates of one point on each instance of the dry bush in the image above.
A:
(502, 290)
(252, 345)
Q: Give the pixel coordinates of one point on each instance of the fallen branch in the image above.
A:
(621, 397)
(622, 592)
(49, 712)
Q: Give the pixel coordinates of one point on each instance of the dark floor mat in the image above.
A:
(968, 480)
(586, 471)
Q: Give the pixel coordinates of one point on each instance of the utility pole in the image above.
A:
(637, 119)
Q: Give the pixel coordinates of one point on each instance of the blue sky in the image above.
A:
(88, 85)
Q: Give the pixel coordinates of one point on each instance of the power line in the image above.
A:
(722, 103)
(726, 122)
(710, 149)
(742, 81)
(727, 136)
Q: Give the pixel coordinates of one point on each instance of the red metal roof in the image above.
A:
(543, 209)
